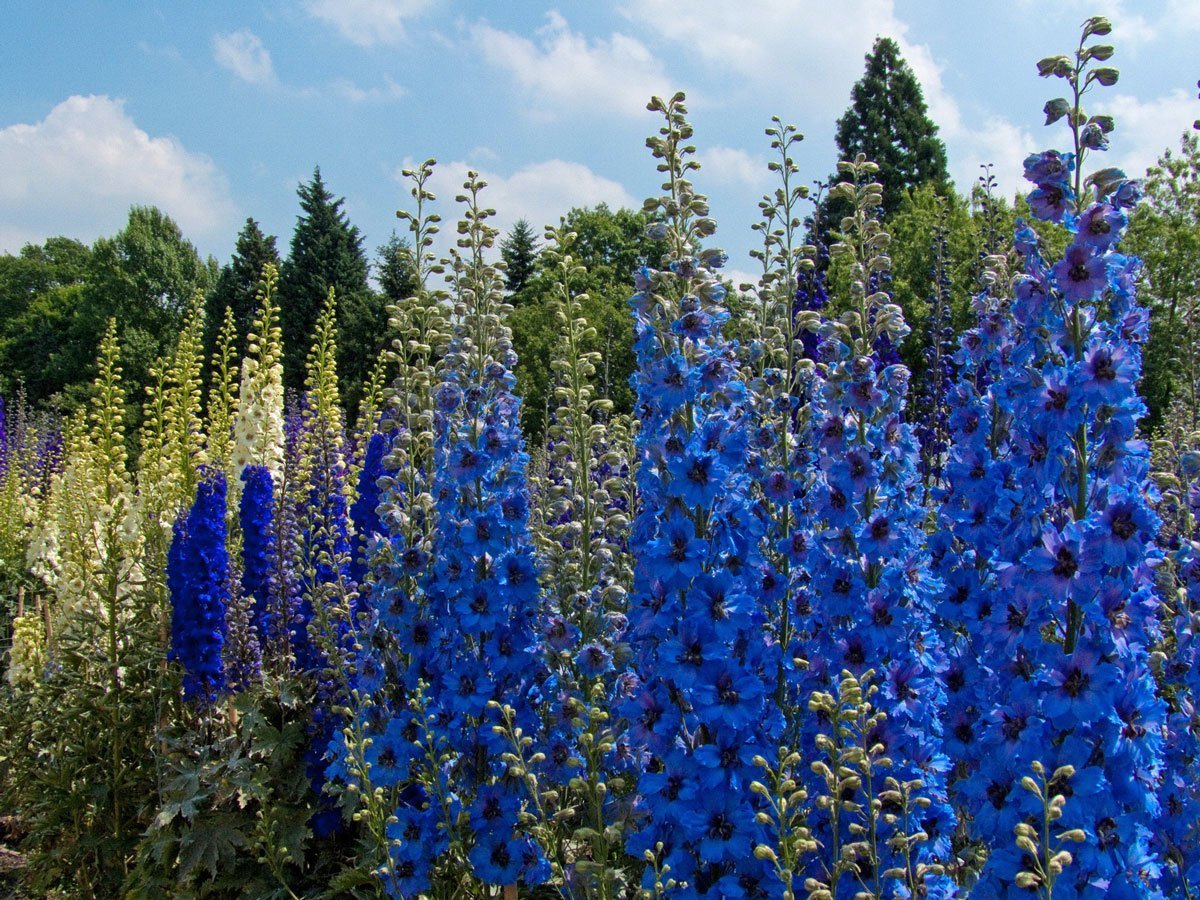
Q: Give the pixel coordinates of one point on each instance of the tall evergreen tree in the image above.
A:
(889, 123)
(395, 270)
(326, 252)
(520, 252)
(237, 286)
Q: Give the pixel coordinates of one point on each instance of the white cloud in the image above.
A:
(729, 165)
(1145, 128)
(1183, 14)
(368, 23)
(1130, 29)
(759, 40)
(243, 54)
(353, 93)
(79, 170)
(996, 141)
(540, 193)
(564, 70)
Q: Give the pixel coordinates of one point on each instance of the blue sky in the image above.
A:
(216, 111)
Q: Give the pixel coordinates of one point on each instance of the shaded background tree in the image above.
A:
(610, 245)
(237, 286)
(327, 252)
(519, 249)
(395, 270)
(1165, 232)
(889, 122)
(57, 299)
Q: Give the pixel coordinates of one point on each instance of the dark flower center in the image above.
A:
(1076, 683)
(726, 692)
(1065, 563)
(1056, 399)
(1123, 525)
(1012, 726)
(720, 827)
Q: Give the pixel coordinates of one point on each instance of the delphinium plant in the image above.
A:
(246, 432)
(93, 716)
(198, 584)
(172, 451)
(222, 402)
(323, 624)
(696, 630)
(394, 521)
(1176, 474)
(470, 659)
(778, 370)
(1063, 555)
(812, 289)
(930, 408)
(579, 773)
(867, 586)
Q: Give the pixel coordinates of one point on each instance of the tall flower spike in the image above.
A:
(258, 428)
(865, 580)
(696, 629)
(580, 526)
(1063, 556)
(222, 396)
(198, 579)
(393, 518)
(481, 589)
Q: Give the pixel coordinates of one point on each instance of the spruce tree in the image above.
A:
(395, 270)
(520, 252)
(326, 252)
(888, 122)
(237, 287)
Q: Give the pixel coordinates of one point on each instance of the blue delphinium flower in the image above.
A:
(861, 578)
(257, 518)
(701, 663)
(470, 632)
(364, 512)
(198, 582)
(1048, 553)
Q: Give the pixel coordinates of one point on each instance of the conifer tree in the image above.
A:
(326, 252)
(396, 270)
(520, 252)
(237, 287)
(888, 122)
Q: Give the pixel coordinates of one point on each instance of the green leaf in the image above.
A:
(1096, 25)
(210, 846)
(1106, 123)
(1106, 75)
(1100, 52)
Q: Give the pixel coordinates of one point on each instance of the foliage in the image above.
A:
(236, 288)
(1165, 233)
(519, 250)
(610, 246)
(326, 253)
(888, 123)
